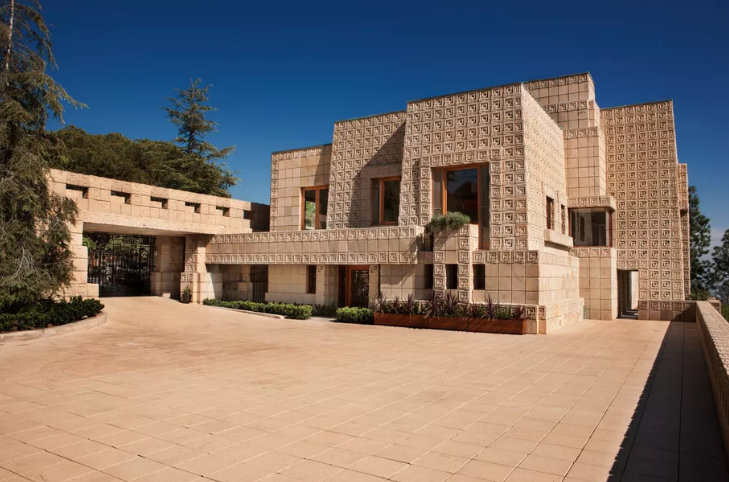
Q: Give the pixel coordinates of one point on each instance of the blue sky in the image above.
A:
(283, 72)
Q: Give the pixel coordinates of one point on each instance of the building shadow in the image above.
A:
(674, 432)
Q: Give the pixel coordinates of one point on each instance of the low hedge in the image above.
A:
(289, 310)
(46, 313)
(351, 314)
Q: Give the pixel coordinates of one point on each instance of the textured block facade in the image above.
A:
(575, 210)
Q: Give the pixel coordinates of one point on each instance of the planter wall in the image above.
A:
(454, 323)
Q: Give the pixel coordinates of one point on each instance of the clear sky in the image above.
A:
(283, 72)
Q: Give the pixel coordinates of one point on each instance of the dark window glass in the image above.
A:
(462, 192)
(437, 191)
(563, 219)
(311, 279)
(484, 214)
(391, 201)
(479, 276)
(428, 276)
(589, 228)
(376, 202)
(451, 276)
(550, 213)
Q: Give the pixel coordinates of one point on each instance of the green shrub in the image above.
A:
(352, 314)
(49, 313)
(289, 310)
(725, 311)
(451, 221)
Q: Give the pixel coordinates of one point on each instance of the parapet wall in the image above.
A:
(714, 334)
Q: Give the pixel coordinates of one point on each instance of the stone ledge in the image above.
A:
(714, 335)
(84, 324)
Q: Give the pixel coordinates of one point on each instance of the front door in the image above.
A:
(355, 285)
(259, 282)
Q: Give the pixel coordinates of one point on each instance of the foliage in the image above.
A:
(158, 163)
(720, 269)
(438, 304)
(699, 295)
(725, 311)
(186, 294)
(188, 112)
(353, 314)
(35, 261)
(700, 236)
(325, 310)
(289, 310)
(449, 222)
(408, 306)
(43, 314)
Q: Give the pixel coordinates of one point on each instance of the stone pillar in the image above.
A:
(195, 274)
(168, 263)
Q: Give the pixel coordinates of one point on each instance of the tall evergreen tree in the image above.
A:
(720, 269)
(200, 169)
(700, 236)
(34, 258)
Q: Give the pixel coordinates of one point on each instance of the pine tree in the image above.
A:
(700, 236)
(720, 269)
(198, 170)
(34, 258)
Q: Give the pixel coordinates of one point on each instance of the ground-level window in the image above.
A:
(385, 200)
(590, 227)
(428, 285)
(311, 279)
(550, 213)
(314, 202)
(479, 276)
(451, 276)
(465, 190)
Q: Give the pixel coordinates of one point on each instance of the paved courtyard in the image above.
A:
(166, 391)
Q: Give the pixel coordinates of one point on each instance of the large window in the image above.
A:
(314, 207)
(385, 200)
(590, 227)
(464, 190)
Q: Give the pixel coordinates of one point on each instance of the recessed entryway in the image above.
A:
(627, 293)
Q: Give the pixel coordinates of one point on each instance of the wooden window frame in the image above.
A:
(318, 190)
(444, 194)
(381, 201)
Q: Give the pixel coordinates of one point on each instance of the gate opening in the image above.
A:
(627, 294)
(120, 264)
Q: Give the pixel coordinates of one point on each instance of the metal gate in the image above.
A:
(120, 264)
(259, 282)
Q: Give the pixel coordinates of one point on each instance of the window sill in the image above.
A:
(551, 236)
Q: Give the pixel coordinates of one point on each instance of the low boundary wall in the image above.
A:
(714, 334)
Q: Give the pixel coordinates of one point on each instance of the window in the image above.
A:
(479, 276)
(550, 213)
(82, 189)
(428, 277)
(385, 200)
(590, 227)
(124, 195)
(195, 206)
(162, 201)
(563, 218)
(465, 190)
(223, 211)
(314, 207)
(451, 276)
(311, 279)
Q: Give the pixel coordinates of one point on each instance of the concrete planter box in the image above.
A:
(453, 323)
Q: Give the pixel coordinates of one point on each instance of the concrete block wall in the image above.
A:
(291, 171)
(599, 282)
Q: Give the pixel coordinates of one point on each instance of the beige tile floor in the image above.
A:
(166, 391)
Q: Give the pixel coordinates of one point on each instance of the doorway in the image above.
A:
(354, 286)
(259, 282)
(627, 293)
(120, 264)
